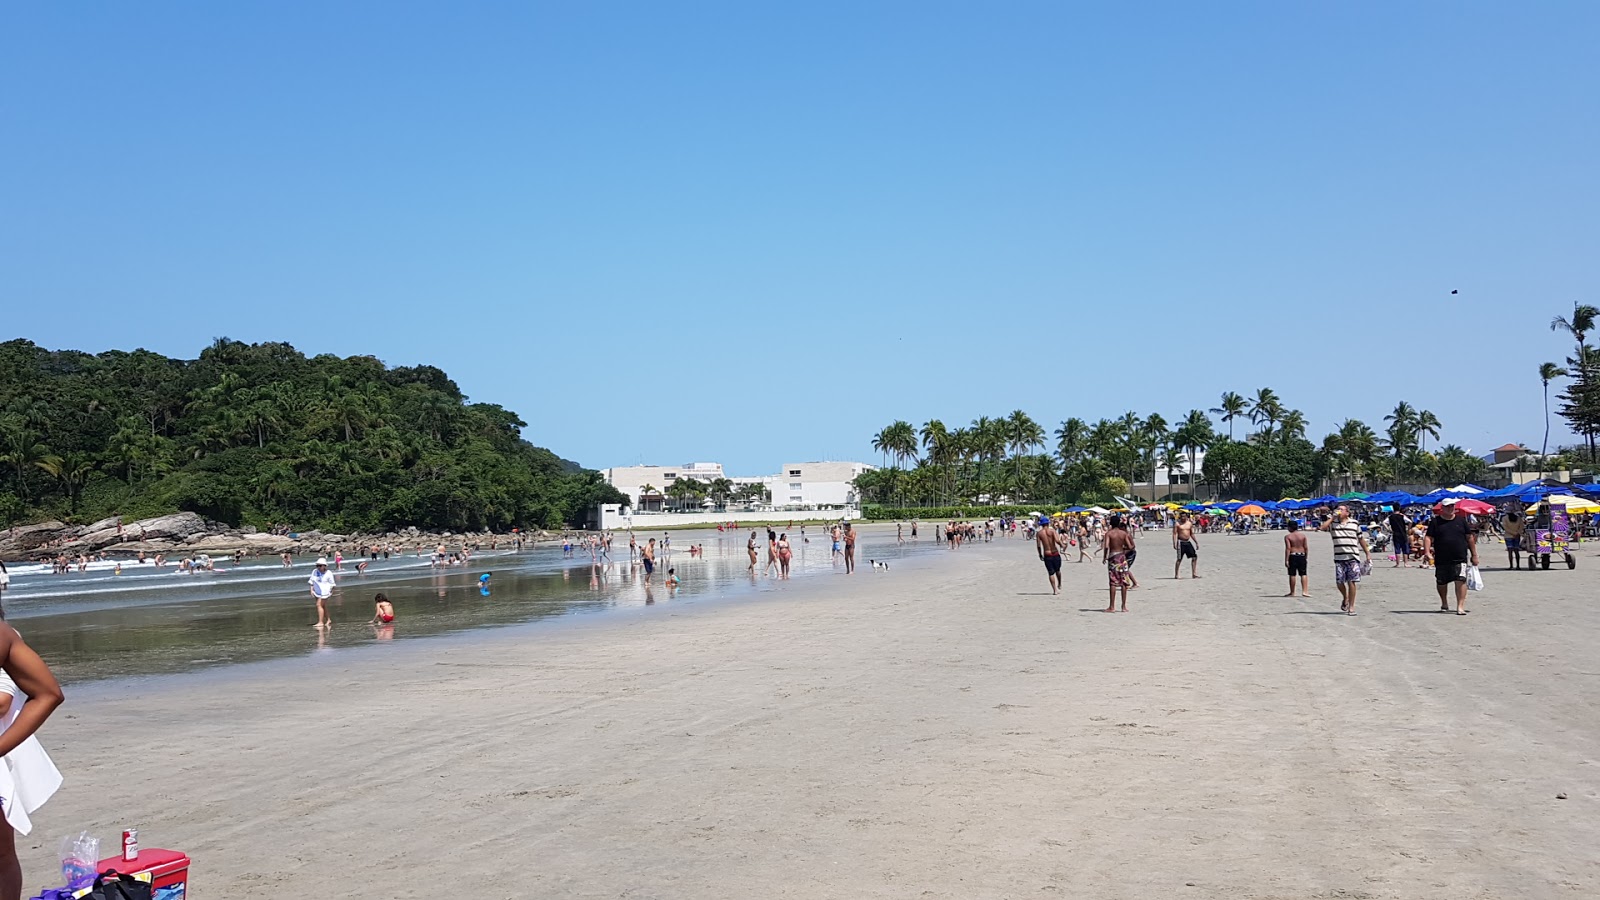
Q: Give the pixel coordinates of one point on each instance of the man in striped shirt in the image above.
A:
(1349, 554)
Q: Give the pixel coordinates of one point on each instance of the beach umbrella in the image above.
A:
(1354, 495)
(1574, 504)
(1077, 509)
(1471, 507)
(1098, 510)
(1467, 487)
(1251, 509)
(1231, 505)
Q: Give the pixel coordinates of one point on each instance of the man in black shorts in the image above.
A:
(1400, 531)
(1049, 544)
(1183, 541)
(1294, 558)
(1452, 543)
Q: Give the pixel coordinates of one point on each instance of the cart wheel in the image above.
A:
(1544, 562)
(1572, 561)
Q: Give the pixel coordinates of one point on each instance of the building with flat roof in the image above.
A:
(816, 485)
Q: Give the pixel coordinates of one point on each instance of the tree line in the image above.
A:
(260, 434)
(994, 460)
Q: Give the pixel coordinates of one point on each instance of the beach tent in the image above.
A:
(1098, 510)
(1537, 492)
(1468, 488)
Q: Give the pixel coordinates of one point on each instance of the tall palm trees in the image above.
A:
(1581, 366)
(1548, 372)
(1266, 407)
(1022, 434)
(1194, 434)
(1233, 406)
(1427, 426)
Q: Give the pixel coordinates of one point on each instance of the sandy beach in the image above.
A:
(945, 729)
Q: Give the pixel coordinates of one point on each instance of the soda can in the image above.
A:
(130, 845)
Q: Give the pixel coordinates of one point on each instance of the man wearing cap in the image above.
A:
(321, 582)
(1452, 543)
(1048, 543)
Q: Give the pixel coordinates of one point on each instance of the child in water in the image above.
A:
(383, 610)
(672, 579)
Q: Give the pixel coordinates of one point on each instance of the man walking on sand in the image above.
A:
(1294, 558)
(1115, 548)
(1184, 541)
(1452, 543)
(849, 548)
(322, 584)
(1048, 543)
(1349, 548)
(1400, 532)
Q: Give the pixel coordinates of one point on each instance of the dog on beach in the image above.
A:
(878, 565)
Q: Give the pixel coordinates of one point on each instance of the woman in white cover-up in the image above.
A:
(27, 777)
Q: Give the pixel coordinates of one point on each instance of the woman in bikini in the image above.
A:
(783, 556)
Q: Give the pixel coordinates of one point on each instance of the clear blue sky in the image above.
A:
(757, 232)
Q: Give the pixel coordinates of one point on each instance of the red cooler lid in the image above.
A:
(154, 860)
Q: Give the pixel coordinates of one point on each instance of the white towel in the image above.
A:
(28, 778)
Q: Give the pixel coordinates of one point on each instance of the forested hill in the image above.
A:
(259, 434)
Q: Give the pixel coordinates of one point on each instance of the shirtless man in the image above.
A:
(647, 556)
(1048, 543)
(1183, 541)
(1294, 558)
(849, 548)
(1115, 549)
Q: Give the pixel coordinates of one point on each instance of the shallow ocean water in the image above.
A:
(96, 625)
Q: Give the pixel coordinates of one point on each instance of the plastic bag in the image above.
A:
(80, 857)
(1474, 579)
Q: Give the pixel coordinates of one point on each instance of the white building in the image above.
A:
(817, 485)
(1174, 480)
(632, 480)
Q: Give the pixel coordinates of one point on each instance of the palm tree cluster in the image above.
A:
(1580, 402)
(262, 434)
(994, 460)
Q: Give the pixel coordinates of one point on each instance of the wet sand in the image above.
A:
(949, 731)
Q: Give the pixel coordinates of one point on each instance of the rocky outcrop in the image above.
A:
(187, 533)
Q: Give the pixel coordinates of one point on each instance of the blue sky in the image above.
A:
(756, 232)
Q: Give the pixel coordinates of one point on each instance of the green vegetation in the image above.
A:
(259, 434)
(945, 513)
(969, 471)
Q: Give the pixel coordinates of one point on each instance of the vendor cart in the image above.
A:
(1552, 535)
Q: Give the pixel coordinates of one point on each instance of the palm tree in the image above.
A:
(1193, 435)
(1291, 425)
(1266, 407)
(1071, 440)
(73, 468)
(1582, 322)
(881, 442)
(1155, 435)
(1548, 372)
(1233, 406)
(937, 441)
(1427, 424)
(1022, 434)
(1402, 432)
(24, 452)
